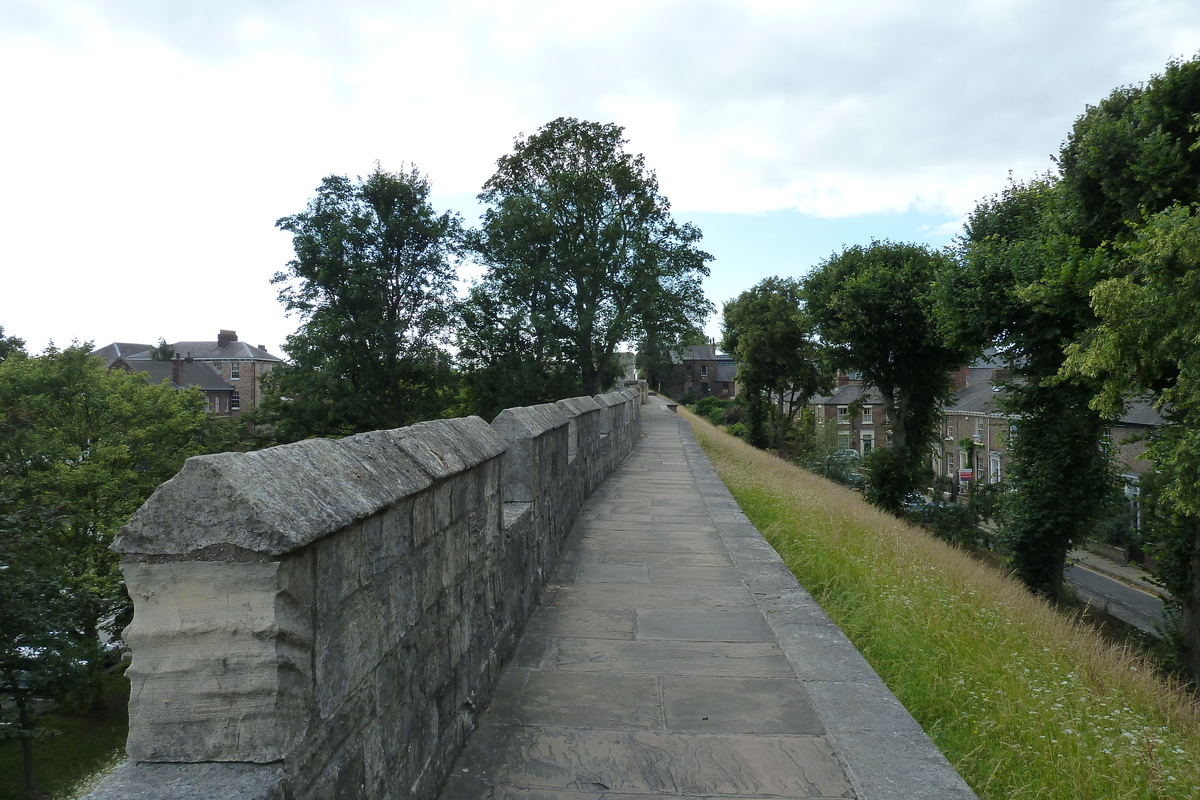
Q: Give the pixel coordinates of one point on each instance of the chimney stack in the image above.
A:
(177, 370)
(961, 378)
(226, 337)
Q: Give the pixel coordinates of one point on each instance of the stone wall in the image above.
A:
(326, 619)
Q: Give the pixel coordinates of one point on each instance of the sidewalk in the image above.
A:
(675, 656)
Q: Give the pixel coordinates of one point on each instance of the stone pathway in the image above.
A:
(675, 656)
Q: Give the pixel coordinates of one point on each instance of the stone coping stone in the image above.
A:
(280, 499)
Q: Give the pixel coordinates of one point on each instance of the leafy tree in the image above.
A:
(81, 447)
(372, 281)
(1032, 256)
(10, 345)
(875, 308)
(508, 352)
(1145, 345)
(163, 351)
(582, 254)
(1021, 285)
(772, 337)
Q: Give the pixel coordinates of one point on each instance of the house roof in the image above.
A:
(979, 396)
(190, 373)
(232, 350)
(111, 352)
(726, 373)
(1142, 413)
(212, 350)
(845, 395)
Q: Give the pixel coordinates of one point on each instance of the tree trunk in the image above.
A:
(24, 724)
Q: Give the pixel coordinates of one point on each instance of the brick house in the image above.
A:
(973, 414)
(856, 412)
(707, 373)
(239, 365)
(698, 369)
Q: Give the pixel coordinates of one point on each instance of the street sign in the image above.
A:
(965, 474)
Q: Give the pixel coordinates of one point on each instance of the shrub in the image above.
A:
(737, 429)
(733, 414)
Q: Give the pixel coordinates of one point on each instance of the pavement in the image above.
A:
(674, 655)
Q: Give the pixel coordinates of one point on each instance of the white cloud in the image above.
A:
(150, 145)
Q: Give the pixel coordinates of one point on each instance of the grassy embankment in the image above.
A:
(1024, 702)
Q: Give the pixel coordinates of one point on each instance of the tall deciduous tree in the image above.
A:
(372, 282)
(81, 447)
(1021, 286)
(1145, 344)
(582, 255)
(1032, 256)
(875, 307)
(772, 336)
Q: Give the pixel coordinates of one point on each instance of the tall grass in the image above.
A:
(1024, 702)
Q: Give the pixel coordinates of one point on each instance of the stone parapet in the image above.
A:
(327, 618)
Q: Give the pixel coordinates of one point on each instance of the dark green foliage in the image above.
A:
(162, 351)
(875, 307)
(582, 255)
(372, 281)
(1063, 477)
(890, 475)
(10, 345)
(1043, 261)
(81, 447)
(1022, 285)
(706, 406)
(1133, 154)
(768, 331)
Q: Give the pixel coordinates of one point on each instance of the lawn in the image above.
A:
(1024, 702)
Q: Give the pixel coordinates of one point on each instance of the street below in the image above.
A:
(1141, 609)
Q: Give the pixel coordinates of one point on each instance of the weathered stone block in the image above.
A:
(220, 671)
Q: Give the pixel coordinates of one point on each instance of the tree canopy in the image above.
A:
(1040, 262)
(772, 337)
(875, 308)
(372, 282)
(582, 254)
(81, 447)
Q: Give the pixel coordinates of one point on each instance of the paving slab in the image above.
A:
(674, 655)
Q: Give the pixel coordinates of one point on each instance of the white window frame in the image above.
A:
(235, 401)
(868, 415)
(235, 370)
(843, 414)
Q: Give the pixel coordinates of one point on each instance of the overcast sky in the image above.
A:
(150, 145)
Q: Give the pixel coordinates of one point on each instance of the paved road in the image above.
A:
(1140, 609)
(675, 656)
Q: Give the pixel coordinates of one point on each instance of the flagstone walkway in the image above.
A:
(675, 656)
